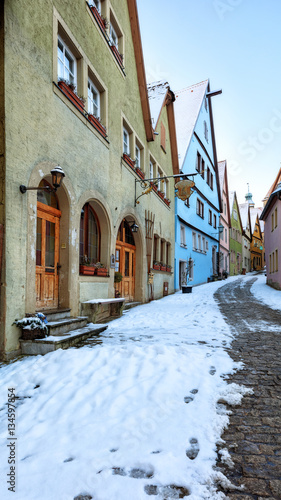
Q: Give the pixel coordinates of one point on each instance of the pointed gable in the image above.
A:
(187, 108)
(233, 202)
(223, 182)
(274, 186)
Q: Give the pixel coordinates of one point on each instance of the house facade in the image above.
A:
(197, 218)
(257, 245)
(246, 236)
(235, 243)
(224, 221)
(271, 215)
(85, 108)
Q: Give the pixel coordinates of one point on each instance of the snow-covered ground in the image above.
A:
(265, 293)
(132, 417)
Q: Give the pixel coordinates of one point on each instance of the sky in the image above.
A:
(236, 45)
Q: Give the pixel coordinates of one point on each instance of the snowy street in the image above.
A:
(132, 415)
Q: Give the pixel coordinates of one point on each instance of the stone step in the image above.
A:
(52, 343)
(56, 314)
(65, 325)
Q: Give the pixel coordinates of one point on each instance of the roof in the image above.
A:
(157, 92)
(276, 193)
(221, 169)
(187, 108)
(244, 213)
(254, 213)
(274, 185)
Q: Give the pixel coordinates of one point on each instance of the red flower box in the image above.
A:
(87, 270)
(117, 55)
(161, 195)
(167, 201)
(154, 186)
(67, 90)
(129, 161)
(140, 172)
(101, 271)
(156, 267)
(100, 21)
(163, 268)
(97, 124)
(168, 269)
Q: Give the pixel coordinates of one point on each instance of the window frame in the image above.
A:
(74, 60)
(86, 209)
(125, 145)
(98, 105)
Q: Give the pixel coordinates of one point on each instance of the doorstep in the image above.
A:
(52, 343)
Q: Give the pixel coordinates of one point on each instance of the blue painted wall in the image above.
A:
(187, 217)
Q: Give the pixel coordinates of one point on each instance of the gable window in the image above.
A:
(206, 132)
(67, 64)
(210, 217)
(93, 100)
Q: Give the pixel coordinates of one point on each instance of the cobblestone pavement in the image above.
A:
(253, 437)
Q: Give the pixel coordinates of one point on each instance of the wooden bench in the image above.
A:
(99, 310)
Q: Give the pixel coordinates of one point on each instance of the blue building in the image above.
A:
(197, 219)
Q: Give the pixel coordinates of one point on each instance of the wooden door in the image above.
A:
(47, 257)
(125, 264)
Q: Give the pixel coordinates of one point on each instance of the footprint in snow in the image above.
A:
(169, 491)
(136, 472)
(194, 391)
(212, 370)
(188, 399)
(193, 450)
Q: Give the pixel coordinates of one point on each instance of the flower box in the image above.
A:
(160, 194)
(163, 268)
(87, 270)
(167, 201)
(97, 124)
(168, 269)
(100, 21)
(154, 186)
(32, 334)
(156, 267)
(117, 55)
(67, 90)
(129, 161)
(101, 271)
(140, 172)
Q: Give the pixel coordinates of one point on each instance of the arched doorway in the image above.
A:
(47, 249)
(125, 261)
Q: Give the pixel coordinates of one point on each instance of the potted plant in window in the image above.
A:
(32, 327)
(163, 267)
(140, 172)
(156, 265)
(100, 269)
(169, 269)
(101, 21)
(154, 186)
(129, 160)
(118, 56)
(69, 89)
(160, 194)
(87, 268)
(167, 201)
(97, 124)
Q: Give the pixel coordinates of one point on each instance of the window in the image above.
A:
(151, 170)
(198, 162)
(225, 235)
(224, 208)
(235, 214)
(67, 64)
(199, 243)
(206, 132)
(202, 169)
(187, 203)
(206, 104)
(126, 141)
(204, 244)
(194, 241)
(113, 36)
(275, 218)
(212, 181)
(200, 208)
(89, 235)
(138, 158)
(155, 248)
(93, 100)
(168, 253)
(210, 217)
(215, 221)
(160, 182)
(276, 260)
(182, 235)
(208, 176)
(191, 269)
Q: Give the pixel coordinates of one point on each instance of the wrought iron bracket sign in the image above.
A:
(182, 187)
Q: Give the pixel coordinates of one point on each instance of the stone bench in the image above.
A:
(99, 310)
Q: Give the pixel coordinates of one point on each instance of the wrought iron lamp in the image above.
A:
(57, 178)
(134, 227)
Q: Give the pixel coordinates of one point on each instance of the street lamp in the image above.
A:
(134, 227)
(57, 174)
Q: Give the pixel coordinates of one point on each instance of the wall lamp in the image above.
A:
(134, 227)
(57, 178)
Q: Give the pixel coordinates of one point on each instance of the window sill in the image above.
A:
(82, 115)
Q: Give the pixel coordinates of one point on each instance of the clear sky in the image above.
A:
(237, 45)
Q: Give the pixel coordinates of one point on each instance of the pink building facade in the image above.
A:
(224, 221)
(271, 216)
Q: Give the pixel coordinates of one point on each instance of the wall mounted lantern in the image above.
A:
(134, 227)
(57, 178)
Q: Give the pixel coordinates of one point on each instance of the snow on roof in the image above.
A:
(254, 212)
(156, 95)
(274, 185)
(221, 169)
(187, 108)
(231, 200)
(244, 210)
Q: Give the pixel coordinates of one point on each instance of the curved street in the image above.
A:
(253, 437)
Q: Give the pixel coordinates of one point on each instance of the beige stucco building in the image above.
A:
(57, 52)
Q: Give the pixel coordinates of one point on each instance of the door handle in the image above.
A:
(58, 267)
